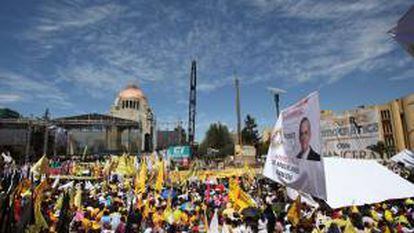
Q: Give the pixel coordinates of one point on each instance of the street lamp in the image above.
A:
(276, 92)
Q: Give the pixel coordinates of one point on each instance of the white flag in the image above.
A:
(214, 225)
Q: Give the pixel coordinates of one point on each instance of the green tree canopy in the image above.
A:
(382, 149)
(250, 134)
(217, 137)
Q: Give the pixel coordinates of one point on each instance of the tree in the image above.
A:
(264, 147)
(217, 137)
(381, 149)
(8, 113)
(250, 134)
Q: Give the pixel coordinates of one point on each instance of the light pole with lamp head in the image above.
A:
(276, 93)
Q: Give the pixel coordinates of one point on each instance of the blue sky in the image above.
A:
(74, 56)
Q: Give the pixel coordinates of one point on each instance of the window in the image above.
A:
(123, 104)
(385, 114)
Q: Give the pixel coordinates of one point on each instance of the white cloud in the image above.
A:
(33, 90)
(409, 74)
(9, 98)
(341, 38)
(62, 17)
(108, 45)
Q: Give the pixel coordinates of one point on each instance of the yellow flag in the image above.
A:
(78, 198)
(238, 197)
(40, 223)
(248, 172)
(38, 192)
(354, 209)
(293, 213)
(167, 214)
(125, 165)
(374, 215)
(160, 176)
(388, 216)
(349, 228)
(316, 230)
(409, 201)
(107, 167)
(40, 167)
(58, 204)
(147, 210)
(142, 177)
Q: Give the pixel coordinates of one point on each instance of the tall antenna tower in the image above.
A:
(192, 104)
(239, 138)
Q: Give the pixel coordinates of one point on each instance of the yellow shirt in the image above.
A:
(86, 223)
(157, 218)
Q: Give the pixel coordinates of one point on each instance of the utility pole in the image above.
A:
(239, 136)
(192, 104)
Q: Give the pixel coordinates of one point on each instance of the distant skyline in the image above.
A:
(73, 57)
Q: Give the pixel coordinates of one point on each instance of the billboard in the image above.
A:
(349, 135)
(244, 150)
(178, 152)
(294, 156)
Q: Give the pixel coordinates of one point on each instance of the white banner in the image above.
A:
(294, 156)
(349, 135)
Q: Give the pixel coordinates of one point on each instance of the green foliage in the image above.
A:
(382, 149)
(217, 137)
(6, 113)
(250, 134)
(264, 147)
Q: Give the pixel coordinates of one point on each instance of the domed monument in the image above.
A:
(131, 104)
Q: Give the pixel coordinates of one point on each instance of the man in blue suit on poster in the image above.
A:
(305, 134)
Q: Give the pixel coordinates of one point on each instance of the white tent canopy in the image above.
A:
(406, 157)
(358, 182)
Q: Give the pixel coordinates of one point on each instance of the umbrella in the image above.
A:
(186, 206)
(403, 32)
(167, 192)
(251, 212)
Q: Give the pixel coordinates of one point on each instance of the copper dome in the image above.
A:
(131, 92)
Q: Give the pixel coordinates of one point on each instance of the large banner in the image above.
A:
(178, 152)
(349, 135)
(294, 156)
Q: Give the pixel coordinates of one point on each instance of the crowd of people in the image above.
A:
(400, 169)
(248, 203)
